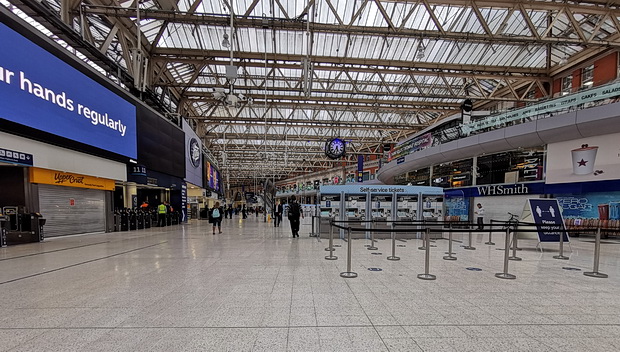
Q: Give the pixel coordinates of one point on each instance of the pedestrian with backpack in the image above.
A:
(216, 217)
(294, 213)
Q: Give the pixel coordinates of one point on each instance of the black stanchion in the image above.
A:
(348, 274)
(597, 257)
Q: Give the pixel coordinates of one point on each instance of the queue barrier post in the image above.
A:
(561, 256)
(372, 237)
(348, 274)
(505, 274)
(490, 241)
(449, 256)
(393, 256)
(331, 255)
(514, 247)
(469, 246)
(597, 257)
(427, 258)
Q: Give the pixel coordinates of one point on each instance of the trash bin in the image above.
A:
(603, 211)
(614, 210)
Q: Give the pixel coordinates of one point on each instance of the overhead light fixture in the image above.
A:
(225, 41)
(421, 52)
(563, 60)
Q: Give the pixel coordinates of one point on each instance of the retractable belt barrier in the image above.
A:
(507, 230)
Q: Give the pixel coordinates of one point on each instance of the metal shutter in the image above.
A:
(86, 215)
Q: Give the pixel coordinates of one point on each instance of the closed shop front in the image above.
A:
(70, 210)
(71, 203)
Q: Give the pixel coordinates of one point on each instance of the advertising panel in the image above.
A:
(587, 159)
(212, 177)
(602, 206)
(41, 91)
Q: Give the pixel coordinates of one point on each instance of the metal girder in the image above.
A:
(362, 125)
(296, 25)
(174, 53)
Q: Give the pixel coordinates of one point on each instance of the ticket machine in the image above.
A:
(355, 207)
(381, 207)
(406, 207)
(329, 208)
(432, 210)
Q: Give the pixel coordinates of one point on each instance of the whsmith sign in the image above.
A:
(498, 190)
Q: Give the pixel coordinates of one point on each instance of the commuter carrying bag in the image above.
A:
(216, 213)
(293, 211)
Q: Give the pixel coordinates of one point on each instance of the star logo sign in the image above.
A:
(582, 163)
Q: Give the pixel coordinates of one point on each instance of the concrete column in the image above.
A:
(130, 190)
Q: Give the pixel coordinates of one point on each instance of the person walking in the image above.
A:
(480, 216)
(294, 212)
(244, 212)
(161, 214)
(277, 218)
(216, 217)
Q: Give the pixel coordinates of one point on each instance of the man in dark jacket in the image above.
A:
(277, 217)
(294, 213)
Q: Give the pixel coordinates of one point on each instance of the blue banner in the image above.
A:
(360, 168)
(41, 91)
(548, 217)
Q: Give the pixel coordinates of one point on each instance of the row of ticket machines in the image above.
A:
(18, 226)
(138, 219)
(381, 204)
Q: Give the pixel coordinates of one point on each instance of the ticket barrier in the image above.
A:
(140, 219)
(31, 229)
(4, 229)
(117, 221)
(175, 218)
(168, 219)
(133, 220)
(124, 220)
(148, 218)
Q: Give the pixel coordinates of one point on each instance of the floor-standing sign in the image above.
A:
(547, 215)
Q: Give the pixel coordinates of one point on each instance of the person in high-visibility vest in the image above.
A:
(161, 215)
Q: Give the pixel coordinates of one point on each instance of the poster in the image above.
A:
(586, 159)
(546, 213)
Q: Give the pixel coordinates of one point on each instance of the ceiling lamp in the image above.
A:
(421, 52)
(563, 60)
(225, 41)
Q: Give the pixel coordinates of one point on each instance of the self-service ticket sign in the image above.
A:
(547, 215)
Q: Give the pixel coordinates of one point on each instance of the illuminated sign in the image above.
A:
(41, 91)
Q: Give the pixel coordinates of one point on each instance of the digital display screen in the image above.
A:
(212, 176)
(41, 91)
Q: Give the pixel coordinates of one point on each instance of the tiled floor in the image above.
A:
(254, 288)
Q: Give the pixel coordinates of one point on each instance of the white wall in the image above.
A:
(48, 156)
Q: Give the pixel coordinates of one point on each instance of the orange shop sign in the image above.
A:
(59, 178)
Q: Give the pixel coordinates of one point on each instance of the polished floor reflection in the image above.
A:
(254, 288)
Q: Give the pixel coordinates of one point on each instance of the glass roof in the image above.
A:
(372, 71)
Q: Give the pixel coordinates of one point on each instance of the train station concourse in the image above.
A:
(255, 288)
(309, 175)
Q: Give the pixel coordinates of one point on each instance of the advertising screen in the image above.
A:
(212, 176)
(41, 91)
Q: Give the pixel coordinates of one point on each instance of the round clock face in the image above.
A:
(194, 152)
(335, 148)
